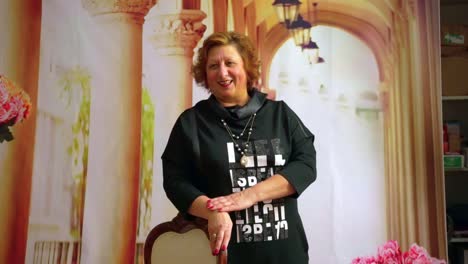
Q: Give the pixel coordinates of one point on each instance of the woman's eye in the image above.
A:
(212, 66)
(230, 63)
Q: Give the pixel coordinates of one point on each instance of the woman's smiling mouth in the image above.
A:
(225, 84)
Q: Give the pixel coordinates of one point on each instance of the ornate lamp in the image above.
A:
(300, 31)
(287, 10)
(311, 50)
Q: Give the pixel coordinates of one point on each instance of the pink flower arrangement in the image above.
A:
(390, 253)
(15, 106)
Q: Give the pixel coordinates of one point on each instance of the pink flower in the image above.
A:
(3, 93)
(14, 102)
(418, 255)
(6, 112)
(437, 261)
(367, 260)
(15, 105)
(22, 107)
(390, 252)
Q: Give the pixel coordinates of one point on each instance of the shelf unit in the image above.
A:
(454, 98)
(456, 179)
(453, 12)
(456, 170)
(459, 240)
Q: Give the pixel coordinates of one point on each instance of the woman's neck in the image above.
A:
(235, 101)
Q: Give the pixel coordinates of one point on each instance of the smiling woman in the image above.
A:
(228, 48)
(226, 77)
(244, 160)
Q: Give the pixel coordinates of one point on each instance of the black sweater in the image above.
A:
(200, 159)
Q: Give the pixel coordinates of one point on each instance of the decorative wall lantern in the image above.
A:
(300, 31)
(311, 50)
(287, 10)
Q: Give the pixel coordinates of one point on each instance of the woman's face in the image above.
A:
(226, 76)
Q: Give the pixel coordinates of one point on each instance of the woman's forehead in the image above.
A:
(222, 52)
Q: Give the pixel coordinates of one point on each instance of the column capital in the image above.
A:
(177, 33)
(99, 7)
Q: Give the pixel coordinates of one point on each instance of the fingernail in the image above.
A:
(223, 247)
(216, 252)
(220, 209)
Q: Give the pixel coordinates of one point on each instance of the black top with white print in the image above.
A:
(200, 159)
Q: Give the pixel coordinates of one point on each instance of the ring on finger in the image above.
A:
(214, 235)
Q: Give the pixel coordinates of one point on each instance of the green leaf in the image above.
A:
(5, 133)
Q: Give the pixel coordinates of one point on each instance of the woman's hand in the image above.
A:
(233, 202)
(219, 229)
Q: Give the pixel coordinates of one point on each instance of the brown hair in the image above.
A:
(243, 45)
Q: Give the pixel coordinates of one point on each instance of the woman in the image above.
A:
(239, 160)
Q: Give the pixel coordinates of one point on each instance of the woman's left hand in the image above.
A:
(233, 202)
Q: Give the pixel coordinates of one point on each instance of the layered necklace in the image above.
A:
(241, 147)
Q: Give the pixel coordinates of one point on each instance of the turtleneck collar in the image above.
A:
(256, 101)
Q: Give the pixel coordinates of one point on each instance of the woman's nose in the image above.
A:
(223, 70)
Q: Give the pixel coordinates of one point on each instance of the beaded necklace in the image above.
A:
(235, 138)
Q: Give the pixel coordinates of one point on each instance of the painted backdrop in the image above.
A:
(82, 181)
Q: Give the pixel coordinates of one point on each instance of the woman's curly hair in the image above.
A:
(243, 45)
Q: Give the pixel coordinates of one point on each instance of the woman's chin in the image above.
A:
(226, 91)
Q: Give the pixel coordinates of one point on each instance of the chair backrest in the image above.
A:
(180, 242)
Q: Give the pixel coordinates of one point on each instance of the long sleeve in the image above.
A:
(179, 174)
(300, 170)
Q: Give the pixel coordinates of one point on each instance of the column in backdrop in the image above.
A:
(20, 31)
(173, 33)
(112, 184)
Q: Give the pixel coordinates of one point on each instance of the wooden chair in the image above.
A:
(180, 242)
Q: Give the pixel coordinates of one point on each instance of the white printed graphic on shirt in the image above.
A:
(265, 221)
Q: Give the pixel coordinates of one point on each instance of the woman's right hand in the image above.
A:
(219, 229)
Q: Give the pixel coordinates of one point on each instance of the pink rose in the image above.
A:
(3, 93)
(437, 261)
(22, 108)
(16, 104)
(419, 255)
(367, 260)
(6, 112)
(390, 252)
